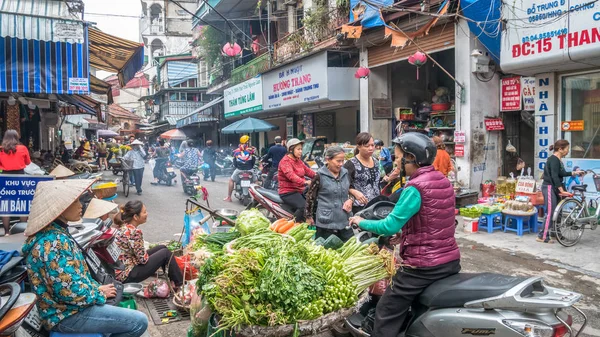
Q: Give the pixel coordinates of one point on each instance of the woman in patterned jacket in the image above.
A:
(69, 300)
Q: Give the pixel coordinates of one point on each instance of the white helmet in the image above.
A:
(293, 142)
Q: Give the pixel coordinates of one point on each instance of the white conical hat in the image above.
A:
(98, 208)
(51, 199)
(62, 172)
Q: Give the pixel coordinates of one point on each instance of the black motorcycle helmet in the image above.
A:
(378, 142)
(419, 145)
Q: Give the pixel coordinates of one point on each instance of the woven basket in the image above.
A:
(103, 193)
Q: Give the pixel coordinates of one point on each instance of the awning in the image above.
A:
(97, 86)
(84, 104)
(114, 54)
(201, 115)
(181, 71)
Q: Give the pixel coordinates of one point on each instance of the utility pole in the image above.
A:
(269, 47)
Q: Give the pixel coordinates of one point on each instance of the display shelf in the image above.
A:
(442, 128)
(447, 113)
(413, 121)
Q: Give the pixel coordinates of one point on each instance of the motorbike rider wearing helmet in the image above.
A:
(243, 160)
(424, 215)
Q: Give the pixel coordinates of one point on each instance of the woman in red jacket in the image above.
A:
(292, 178)
(14, 157)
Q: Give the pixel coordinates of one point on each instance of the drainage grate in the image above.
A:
(158, 306)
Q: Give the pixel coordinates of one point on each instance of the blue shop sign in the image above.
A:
(16, 193)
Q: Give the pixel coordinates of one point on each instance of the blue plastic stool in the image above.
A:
(521, 223)
(490, 222)
(61, 334)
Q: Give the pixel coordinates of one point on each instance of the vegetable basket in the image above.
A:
(102, 191)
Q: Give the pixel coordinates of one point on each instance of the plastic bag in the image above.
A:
(157, 288)
(379, 287)
(191, 221)
(152, 163)
(488, 189)
(34, 170)
(186, 266)
(199, 314)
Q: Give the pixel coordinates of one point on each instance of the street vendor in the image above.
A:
(364, 173)
(139, 263)
(69, 300)
(100, 209)
(328, 201)
(424, 215)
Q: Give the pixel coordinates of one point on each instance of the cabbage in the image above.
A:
(251, 220)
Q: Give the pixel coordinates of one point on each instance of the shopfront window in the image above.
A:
(580, 122)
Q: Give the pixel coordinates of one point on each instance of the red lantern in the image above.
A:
(232, 49)
(362, 72)
(417, 59)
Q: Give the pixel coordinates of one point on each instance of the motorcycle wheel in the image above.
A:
(246, 200)
(340, 330)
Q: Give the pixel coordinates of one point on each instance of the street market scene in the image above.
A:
(275, 168)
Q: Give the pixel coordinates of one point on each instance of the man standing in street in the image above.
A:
(275, 153)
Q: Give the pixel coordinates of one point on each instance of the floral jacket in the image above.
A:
(59, 275)
(131, 242)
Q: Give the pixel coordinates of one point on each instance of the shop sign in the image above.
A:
(459, 150)
(572, 125)
(289, 125)
(544, 120)
(16, 193)
(494, 124)
(510, 94)
(525, 185)
(548, 35)
(300, 82)
(244, 98)
(68, 31)
(382, 108)
(460, 136)
(79, 83)
(528, 89)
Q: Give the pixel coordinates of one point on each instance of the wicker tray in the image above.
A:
(518, 213)
(102, 193)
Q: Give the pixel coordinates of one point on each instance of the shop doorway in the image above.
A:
(519, 131)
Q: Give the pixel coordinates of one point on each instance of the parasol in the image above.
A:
(174, 134)
(248, 125)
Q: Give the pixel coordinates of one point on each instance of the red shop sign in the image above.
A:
(510, 94)
(494, 124)
(459, 150)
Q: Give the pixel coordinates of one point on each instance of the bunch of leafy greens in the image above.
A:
(250, 221)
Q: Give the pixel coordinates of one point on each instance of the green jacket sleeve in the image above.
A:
(407, 206)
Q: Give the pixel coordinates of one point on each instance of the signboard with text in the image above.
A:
(525, 185)
(460, 136)
(16, 193)
(544, 120)
(297, 83)
(79, 83)
(510, 94)
(243, 98)
(528, 89)
(572, 125)
(494, 124)
(459, 150)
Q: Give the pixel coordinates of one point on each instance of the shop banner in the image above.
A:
(528, 92)
(572, 125)
(244, 98)
(300, 82)
(16, 193)
(510, 94)
(459, 150)
(544, 120)
(525, 185)
(460, 136)
(494, 124)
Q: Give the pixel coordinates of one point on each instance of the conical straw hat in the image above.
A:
(51, 199)
(98, 208)
(61, 172)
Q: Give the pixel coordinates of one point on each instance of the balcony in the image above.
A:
(179, 108)
(219, 78)
(307, 39)
(249, 70)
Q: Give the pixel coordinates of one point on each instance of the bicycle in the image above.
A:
(126, 166)
(573, 214)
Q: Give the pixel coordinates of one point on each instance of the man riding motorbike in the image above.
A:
(275, 153)
(162, 154)
(243, 160)
(424, 215)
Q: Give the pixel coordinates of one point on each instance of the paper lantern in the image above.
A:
(232, 49)
(362, 72)
(417, 59)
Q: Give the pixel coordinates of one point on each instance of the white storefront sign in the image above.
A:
(544, 120)
(549, 35)
(244, 98)
(528, 89)
(298, 83)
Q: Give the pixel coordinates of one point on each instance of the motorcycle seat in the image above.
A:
(458, 289)
(270, 194)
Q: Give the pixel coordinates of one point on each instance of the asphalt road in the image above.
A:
(167, 204)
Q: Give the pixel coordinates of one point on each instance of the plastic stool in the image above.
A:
(520, 223)
(75, 334)
(488, 221)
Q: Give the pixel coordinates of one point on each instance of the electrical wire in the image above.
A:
(114, 15)
(197, 17)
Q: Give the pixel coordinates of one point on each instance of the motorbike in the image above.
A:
(243, 185)
(266, 166)
(166, 174)
(190, 181)
(269, 202)
(15, 307)
(478, 304)
(224, 163)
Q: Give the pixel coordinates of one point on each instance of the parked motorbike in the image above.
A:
(242, 186)
(224, 163)
(15, 307)
(190, 181)
(269, 202)
(166, 174)
(478, 304)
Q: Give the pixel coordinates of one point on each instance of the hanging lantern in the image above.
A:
(232, 49)
(417, 59)
(362, 72)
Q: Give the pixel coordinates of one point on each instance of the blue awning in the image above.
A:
(372, 16)
(485, 23)
(181, 71)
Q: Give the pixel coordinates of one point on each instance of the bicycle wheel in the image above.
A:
(126, 184)
(568, 231)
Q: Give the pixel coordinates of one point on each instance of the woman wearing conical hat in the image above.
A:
(70, 300)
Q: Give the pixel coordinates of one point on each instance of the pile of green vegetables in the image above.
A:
(266, 278)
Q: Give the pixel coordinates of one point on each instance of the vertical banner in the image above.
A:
(528, 88)
(510, 94)
(544, 120)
